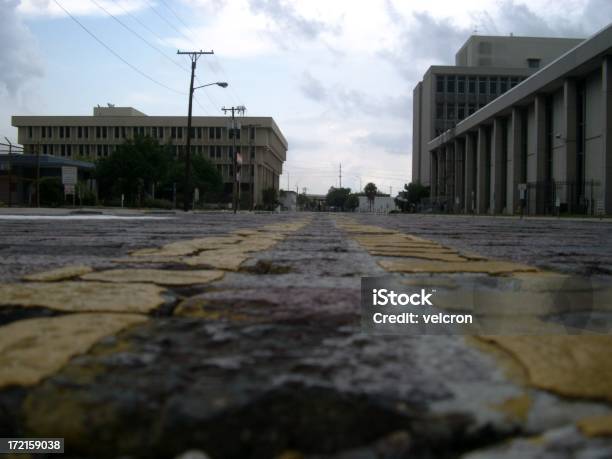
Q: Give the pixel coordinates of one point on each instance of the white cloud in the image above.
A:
(45, 8)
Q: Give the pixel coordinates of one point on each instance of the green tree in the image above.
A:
(352, 202)
(371, 191)
(137, 165)
(411, 196)
(336, 197)
(304, 202)
(51, 191)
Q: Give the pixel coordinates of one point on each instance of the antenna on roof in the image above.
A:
(110, 105)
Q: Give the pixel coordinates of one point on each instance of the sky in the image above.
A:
(337, 76)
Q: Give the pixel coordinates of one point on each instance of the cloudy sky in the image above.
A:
(337, 75)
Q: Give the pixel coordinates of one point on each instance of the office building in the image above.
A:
(261, 143)
(542, 147)
(485, 67)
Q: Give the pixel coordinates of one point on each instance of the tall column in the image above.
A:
(441, 172)
(450, 177)
(458, 195)
(433, 179)
(470, 158)
(514, 160)
(497, 167)
(481, 166)
(606, 79)
(540, 138)
(569, 123)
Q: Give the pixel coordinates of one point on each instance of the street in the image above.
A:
(149, 335)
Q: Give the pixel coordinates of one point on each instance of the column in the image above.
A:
(433, 171)
(570, 193)
(606, 118)
(497, 167)
(514, 160)
(449, 177)
(470, 158)
(441, 171)
(459, 162)
(540, 138)
(481, 165)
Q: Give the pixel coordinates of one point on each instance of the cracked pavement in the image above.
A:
(268, 359)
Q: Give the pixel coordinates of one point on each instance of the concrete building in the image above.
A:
(485, 68)
(381, 204)
(261, 142)
(544, 146)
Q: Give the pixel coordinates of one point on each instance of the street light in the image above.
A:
(188, 191)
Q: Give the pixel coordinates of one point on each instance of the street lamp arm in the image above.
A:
(223, 84)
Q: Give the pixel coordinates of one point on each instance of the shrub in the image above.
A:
(51, 191)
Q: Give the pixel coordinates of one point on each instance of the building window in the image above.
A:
(43, 132)
(439, 111)
(450, 110)
(461, 111)
(471, 109)
(63, 150)
(49, 132)
(123, 132)
(69, 150)
(61, 132)
(461, 85)
(98, 132)
(104, 132)
(533, 63)
(219, 133)
(482, 85)
(252, 152)
(173, 132)
(105, 150)
(219, 151)
(81, 149)
(440, 83)
(513, 82)
(160, 132)
(199, 133)
(503, 85)
(30, 132)
(179, 132)
(472, 85)
(450, 84)
(86, 132)
(67, 132)
(252, 133)
(45, 149)
(493, 86)
(80, 132)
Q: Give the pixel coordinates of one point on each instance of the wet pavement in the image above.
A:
(258, 351)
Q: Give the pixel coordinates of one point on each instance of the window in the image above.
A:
(49, 132)
(533, 63)
(160, 132)
(116, 132)
(30, 132)
(461, 111)
(80, 132)
(105, 150)
(461, 85)
(99, 150)
(67, 132)
(63, 150)
(98, 132)
(69, 150)
(439, 83)
(503, 85)
(61, 132)
(472, 85)
(493, 86)
(179, 132)
(86, 132)
(219, 151)
(471, 109)
(104, 132)
(450, 111)
(218, 133)
(81, 149)
(439, 111)
(123, 132)
(513, 82)
(450, 84)
(199, 133)
(482, 85)
(43, 132)
(231, 132)
(173, 132)
(252, 133)
(45, 149)
(252, 152)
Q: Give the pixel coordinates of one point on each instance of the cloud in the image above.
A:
(19, 58)
(79, 7)
(288, 20)
(396, 143)
(312, 88)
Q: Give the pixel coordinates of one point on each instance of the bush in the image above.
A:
(51, 191)
(157, 203)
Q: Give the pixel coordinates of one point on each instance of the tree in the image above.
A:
(51, 191)
(204, 176)
(304, 202)
(371, 191)
(269, 197)
(352, 202)
(336, 197)
(137, 165)
(411, 196)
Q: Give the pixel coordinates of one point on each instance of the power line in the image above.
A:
(114, 53)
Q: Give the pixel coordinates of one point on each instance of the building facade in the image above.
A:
(543, 147)
(261, 143)
(485, 68)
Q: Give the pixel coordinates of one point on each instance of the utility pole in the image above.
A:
(340, 175)
(38, 174)
(288, 181)
(194, 56)
(236, 187)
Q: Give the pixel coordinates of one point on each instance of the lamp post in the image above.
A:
(188, 192)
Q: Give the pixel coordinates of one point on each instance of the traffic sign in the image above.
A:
(69, 175)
